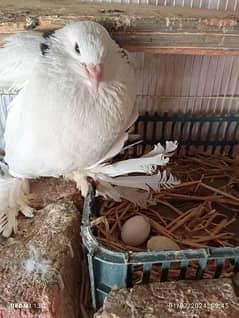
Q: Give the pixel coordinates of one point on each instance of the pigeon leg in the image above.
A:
(81, 181)
(13, 198)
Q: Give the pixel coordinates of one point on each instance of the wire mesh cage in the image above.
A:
(181, 83)
(212, 133)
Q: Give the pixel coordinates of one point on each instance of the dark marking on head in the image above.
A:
(44, 48)
(124, 55)
(47, 34)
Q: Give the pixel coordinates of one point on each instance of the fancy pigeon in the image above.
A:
(75, 102)
(72, 114)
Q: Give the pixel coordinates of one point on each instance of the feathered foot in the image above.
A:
(81, 181)
(13, 198)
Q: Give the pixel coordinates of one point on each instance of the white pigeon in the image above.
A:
(75, 103)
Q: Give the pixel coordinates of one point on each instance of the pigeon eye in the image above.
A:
(77, 49)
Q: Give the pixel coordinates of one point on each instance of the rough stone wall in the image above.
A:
(40, 267)
(192, 299)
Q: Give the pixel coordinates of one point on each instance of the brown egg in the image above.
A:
(161, 243)
(135, 231)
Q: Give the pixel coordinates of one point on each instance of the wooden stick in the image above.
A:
(169, 205)
(170, 195)
(157, 214)
(225, 194)
(161, 229)
(186, 184)
(126, 209)
(224, 223)
(183, 218)
(208, 238)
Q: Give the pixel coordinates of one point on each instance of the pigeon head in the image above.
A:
(88, 44)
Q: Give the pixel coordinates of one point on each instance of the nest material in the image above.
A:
(203, 211)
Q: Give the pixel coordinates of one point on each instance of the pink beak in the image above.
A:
(94, 73)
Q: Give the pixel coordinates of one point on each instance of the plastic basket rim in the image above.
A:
(106, 255)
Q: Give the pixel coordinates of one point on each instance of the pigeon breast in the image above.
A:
(58, 124)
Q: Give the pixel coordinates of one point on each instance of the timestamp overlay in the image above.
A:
(198, 305)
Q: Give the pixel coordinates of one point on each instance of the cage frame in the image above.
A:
(136, 27)
(109, 269)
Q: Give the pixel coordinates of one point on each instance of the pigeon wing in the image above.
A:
(18, 58)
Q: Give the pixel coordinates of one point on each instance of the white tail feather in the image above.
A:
(105, 189)
(146, 164)
(114, 182)
(168, 151)
(146, 183)
(140, 165)
(130, 187)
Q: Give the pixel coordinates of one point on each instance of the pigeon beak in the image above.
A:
(94, 73)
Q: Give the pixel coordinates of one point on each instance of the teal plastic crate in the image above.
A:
(110, 269)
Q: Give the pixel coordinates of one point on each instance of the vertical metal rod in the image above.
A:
(198, 83)
(183, 268)
(235, 5)
(213, 86)
(147, 269)
(219, 268)
(92, 280)
(234, 88)
(202, 264)
(226, 133)
(236, 266)
(227, 85)
(206, 79)
(143, 73)
(216, 136)
(183, 76)
(233, 139)
(226, 6)
(220, 86)
(154, 138)
(165, 268)
(190, 86)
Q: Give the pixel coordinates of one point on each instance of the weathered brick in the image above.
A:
(215, 298)
(40, 267)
